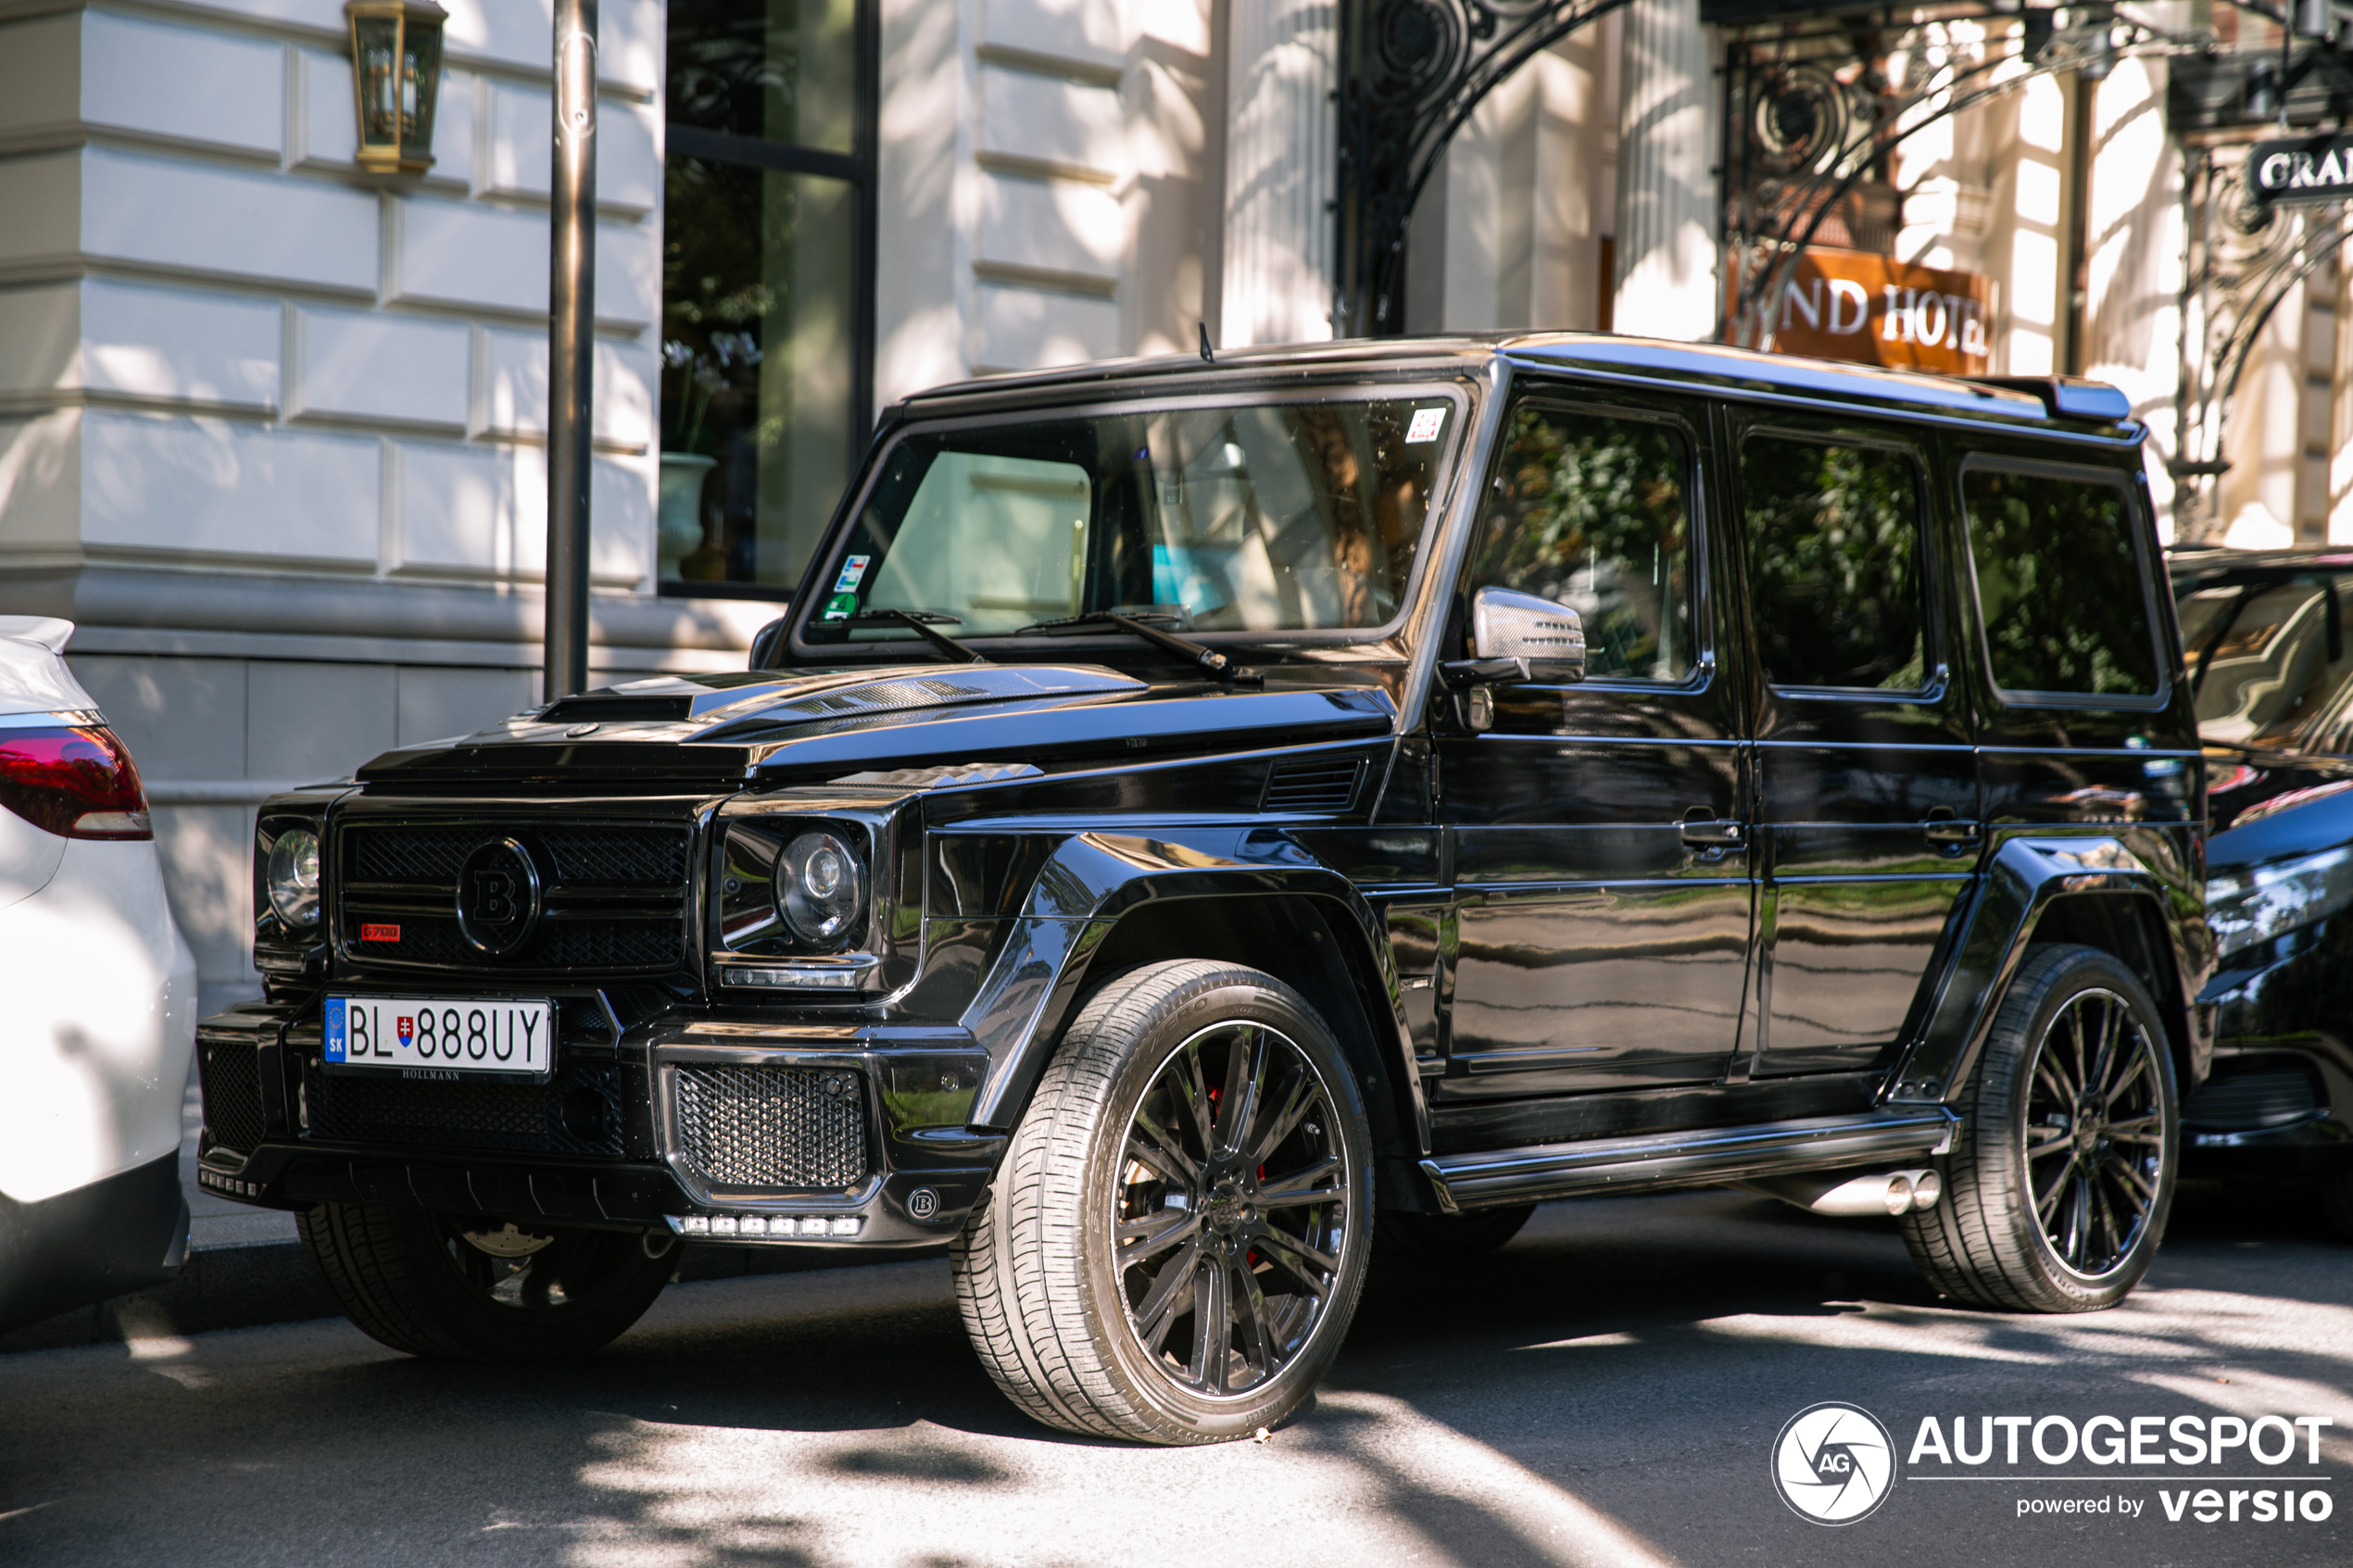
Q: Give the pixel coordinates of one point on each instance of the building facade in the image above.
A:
(272, 427)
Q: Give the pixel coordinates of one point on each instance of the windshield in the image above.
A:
(1253, 517)
(2269, 656)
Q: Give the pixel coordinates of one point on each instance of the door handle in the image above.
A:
(1718, 835)
(1952, 836)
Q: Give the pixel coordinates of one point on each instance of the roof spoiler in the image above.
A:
(2066, 396)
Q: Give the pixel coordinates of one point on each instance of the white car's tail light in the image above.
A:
(77, 782)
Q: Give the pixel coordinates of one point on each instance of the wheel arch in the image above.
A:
(2107, 893)
(1312, 944)
(1276, 912)
(2129, 927)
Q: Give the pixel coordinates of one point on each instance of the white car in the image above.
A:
(98, 1000)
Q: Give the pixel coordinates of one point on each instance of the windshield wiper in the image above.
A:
(921, 622)
(1211, 661)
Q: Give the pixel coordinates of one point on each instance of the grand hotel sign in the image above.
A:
(2301, 169)
(1875, 310)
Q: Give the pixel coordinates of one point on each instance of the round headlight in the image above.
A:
(821, 889)
(294, 878)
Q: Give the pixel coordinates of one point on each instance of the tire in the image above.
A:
(1220, 1322)
(2050, 1204)
(1447, 1238)
(473, 1290)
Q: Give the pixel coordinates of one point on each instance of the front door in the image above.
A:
(1601, 865)
(1867, 777)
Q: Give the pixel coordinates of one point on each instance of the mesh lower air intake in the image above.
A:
(772, 1127)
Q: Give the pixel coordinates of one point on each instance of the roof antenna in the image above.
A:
(1207, 357)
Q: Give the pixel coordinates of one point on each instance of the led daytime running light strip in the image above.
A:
(847, 973)
(770, 1228)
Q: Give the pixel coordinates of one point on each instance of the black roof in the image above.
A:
(2038, 400)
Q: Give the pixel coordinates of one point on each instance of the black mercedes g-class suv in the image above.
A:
(1190, 807)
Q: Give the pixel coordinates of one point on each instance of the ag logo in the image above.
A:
(498, 897)
(1833, 1463)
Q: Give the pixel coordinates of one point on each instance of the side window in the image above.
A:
(1593, 511)
(1835, 563)
(2058, 583)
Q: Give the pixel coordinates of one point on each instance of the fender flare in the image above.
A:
(1092, 879)
(2025, 876)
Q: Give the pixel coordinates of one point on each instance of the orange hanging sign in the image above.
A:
(1875, 310)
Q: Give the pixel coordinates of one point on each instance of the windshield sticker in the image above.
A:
(841, 606)
(853, 571)
(1426, 423)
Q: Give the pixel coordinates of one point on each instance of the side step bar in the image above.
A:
(1697, 1156)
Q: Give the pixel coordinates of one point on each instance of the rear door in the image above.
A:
(2083, 720)
(1866, 809)
(1600, 856)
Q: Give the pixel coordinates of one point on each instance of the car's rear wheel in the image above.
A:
(478, 1290)
(1174, 1245)
(2061, 1173)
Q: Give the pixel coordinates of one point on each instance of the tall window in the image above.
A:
(767, 286)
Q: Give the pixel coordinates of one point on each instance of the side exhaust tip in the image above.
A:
(1891, 1193)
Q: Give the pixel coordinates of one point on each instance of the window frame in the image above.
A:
(1935, 667)
(858, 168)
(2144, 535)
(1564, 399)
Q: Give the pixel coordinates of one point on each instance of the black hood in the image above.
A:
(711, 731)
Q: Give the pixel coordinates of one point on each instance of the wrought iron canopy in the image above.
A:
(1411, 71)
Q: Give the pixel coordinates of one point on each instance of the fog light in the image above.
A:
(695, 1224)
(846, 1224)
(723, 1224)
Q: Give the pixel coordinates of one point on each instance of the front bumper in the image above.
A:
(277, 1134)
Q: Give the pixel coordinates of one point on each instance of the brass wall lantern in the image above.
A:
(396, 71)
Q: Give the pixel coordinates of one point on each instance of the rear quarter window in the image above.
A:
(2060, 570)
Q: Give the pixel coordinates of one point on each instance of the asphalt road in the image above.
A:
(1607, 1390)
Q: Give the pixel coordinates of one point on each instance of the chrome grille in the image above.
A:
(771, 1127)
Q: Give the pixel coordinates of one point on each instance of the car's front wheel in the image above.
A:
(479, 1290)
(1174, 1245)
(2061, 1173)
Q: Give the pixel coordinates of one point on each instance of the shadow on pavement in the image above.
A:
(1603, 1390)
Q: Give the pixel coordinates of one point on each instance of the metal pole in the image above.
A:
(571, 309)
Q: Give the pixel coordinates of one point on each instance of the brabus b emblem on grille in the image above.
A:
(498, 897)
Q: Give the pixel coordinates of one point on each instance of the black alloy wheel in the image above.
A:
(1174, 1244)
(2094, 1133)
(469, 1289)
(2061, 1173)
(1231, 1210)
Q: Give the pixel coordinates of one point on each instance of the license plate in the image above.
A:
(440, 1036)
